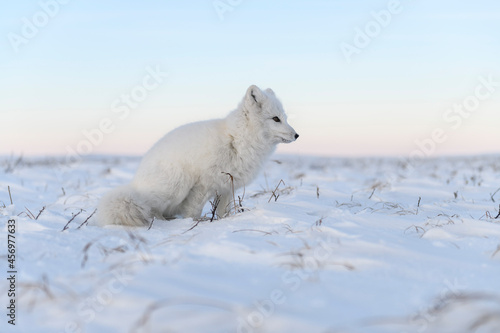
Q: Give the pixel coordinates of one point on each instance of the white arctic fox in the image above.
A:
(189, 165)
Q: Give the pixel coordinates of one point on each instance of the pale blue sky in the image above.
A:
(64, 79)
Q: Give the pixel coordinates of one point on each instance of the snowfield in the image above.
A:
(318, 245)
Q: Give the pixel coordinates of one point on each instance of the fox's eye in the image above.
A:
(276, 119)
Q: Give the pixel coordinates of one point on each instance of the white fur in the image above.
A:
(187, 167)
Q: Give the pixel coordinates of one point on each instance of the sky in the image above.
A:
(357, 78)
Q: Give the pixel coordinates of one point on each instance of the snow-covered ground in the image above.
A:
(348, 245)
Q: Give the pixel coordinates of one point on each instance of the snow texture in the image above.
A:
(341, 245)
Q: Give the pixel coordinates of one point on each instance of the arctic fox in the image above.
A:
(189, 165)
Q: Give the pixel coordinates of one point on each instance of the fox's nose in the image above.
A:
(296, 136)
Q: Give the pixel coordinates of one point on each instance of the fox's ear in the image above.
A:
(254, 97)
(269, 91)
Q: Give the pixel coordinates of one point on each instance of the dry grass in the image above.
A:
(477, 312)
(165, 304)
(400, 210)
(267, 233)
(453, 302)
(274, 193)
(214, 204)
(275, 190)
(417, 228)
(496, 251)
(12, 163)
(305, 259)
(133, 242)
(231, 178)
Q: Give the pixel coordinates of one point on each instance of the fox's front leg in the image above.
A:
(193, 204)
(225, 204)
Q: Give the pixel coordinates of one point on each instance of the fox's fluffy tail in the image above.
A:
(123, 206)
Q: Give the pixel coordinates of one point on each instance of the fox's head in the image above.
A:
(265, 109)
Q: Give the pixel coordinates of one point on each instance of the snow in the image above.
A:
(349, 245)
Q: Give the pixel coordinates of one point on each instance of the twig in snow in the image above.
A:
(487, 215)
(85, 253)
(71, 220)
(497, 250)
(151, 224)
(30, 214)
(194, 226)
(86, 220)
(498, 212)
(45, 286)
(240, 200)
(492, 195)
(40, 213)
(215, 203)
(10, 196)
